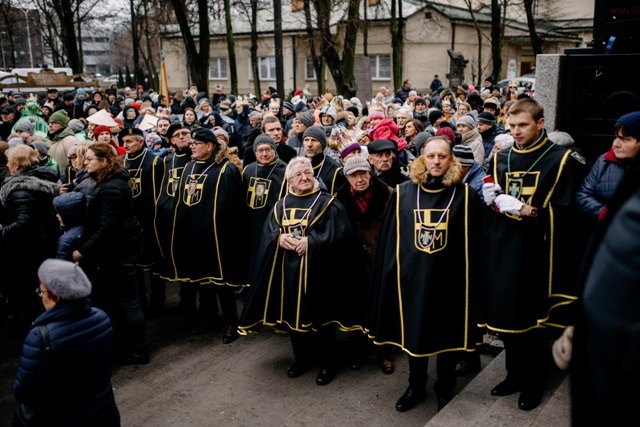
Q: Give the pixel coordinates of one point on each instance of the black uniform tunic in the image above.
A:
(427, 280)
(329, 172)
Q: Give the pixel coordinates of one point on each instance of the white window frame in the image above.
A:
(309, 67)
(375, 68)
(220, 67)
(271, 67)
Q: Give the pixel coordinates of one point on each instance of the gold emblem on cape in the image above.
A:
(258, 192)
(174, 180)
(431, 235)
(296, 221)
(193, 190)
(135, 184)
(522, 185)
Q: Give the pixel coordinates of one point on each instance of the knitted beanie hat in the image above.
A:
(468, 121)
(318, 133)
(464, 155)
(307, 118)
(61, 117)
(435, 115)
(631, 124)
(25, 125)
(263, 139)
(354, 164)
(486, 118)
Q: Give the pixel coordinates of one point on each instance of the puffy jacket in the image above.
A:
(474, 178)
(69, 384)
(600, 185)
(29, 227)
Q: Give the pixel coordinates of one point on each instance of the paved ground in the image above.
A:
(198, 381)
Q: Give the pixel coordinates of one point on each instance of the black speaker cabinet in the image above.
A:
(616, 26)
(595, 91)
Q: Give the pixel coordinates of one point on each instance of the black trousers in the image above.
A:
(322, 342)
(445, 370)
(527, 358)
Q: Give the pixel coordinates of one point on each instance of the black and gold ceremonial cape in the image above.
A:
(145, 175)
(329, 171)
(533, 262)
(262, 187)
(427, 284)
(304, 293)
(165, 207)
(207, 234)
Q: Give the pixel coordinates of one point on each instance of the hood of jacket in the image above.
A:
(38, 180)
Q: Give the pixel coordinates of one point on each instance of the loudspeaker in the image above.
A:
(595, 91)
(616, 26)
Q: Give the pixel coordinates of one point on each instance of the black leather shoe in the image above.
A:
(468, 364)
(505, 388)
(529, 399)
(297, 369)
(230, 335)
(325, 376)
(443, 400)
(410, 398)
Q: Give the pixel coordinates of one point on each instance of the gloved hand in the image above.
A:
(508, 204)
(490, 191)
(562, 349)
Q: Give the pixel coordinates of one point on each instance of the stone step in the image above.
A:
(474, 405)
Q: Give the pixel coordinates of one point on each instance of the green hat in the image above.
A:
(61, 117)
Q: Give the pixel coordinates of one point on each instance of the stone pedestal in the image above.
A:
(549, 70)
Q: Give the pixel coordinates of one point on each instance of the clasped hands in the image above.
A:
(292, 243)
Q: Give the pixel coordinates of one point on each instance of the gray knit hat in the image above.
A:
(263, 139)
(64, 278)
(318, 133)
(307, 118)
(354, 164)
(464, 154)
(25, 125)
(468, 121)
(420, 139)
(76, 125)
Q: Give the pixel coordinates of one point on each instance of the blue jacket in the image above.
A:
(70, 383)
(474, 179)
(600, 185)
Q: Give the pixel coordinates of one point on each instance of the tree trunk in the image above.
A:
(152, 72)
(254, 49)
(536, 41)
(67, 33)
(318, 64)
(231, 48)
(397, 31)
(476, 26)
(496, 39)
(342, 69)
(196, 56)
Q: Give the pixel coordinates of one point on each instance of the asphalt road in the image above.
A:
(198, 381)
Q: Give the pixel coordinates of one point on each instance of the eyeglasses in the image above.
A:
(264, 150)
(40, 291)
(299, 175)
(88, 159)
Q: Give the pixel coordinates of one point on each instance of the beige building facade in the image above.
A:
(430, 29)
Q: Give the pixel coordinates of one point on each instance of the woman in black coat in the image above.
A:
(63, 377)
(28, 233)
(111, 250)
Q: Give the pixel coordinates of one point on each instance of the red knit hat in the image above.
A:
(99, 129)
(448, 132)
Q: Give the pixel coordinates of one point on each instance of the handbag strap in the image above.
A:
(44, 331)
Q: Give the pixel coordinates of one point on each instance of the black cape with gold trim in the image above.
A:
(262, 187)
(207, 231)
(329, 171)
(304, 293)
(165, 208)
(146, 171)
(427, 283)
(534, 262)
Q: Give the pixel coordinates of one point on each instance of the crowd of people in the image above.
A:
(411, 221)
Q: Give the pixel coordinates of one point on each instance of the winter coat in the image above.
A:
(599, 186)
(29, 230)
(473, 140)
(489, 138)
(111, 224)
(367, 225)
(72, 209)
(61, 143)
(68, 383)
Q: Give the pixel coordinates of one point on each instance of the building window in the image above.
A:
(310, 72)
(380, 67)
(218, 69)
(266, 68)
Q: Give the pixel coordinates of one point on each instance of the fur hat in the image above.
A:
(491, 103)
(355, 164)
(487, 118)
(25, 125)
(350, 149)
(307, 118)
(631, 124)
(65, 279)
(61, 117)
(468, 121)
(263, 139)
(318, 133)
(223, 133)
(464, 155)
